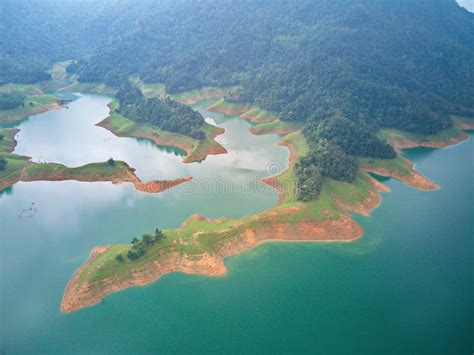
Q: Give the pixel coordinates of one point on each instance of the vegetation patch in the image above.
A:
(229, 108)
(276, 126)
(18, 101)
(194, 149)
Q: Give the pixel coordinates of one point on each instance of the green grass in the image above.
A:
(230, 108)
(58, 72)
(258, 115)
(31, 104)
(7, 139)
(123, 126)
(394, 134)
(288, 179)
(350, 193)
(276, 126)
(397, 164)
(25, 89)
(186, 97)
(463, 119)
(153, 90)
(31, 171)
(98, 171)
(15, 165)
(90, 87)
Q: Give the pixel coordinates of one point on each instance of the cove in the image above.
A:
(405, 286)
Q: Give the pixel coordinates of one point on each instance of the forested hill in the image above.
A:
(345, 68)
(404, 64)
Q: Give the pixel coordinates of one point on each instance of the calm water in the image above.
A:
(405, 287)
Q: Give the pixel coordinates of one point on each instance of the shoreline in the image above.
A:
(414, 179)
(119, 173)
(187, 145)
(36, 111)
(408, 143)
(59, 172)
(288, 221)
(75, 298)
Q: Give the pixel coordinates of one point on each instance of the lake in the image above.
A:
(405, 287)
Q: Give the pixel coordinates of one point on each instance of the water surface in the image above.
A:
(404, 287)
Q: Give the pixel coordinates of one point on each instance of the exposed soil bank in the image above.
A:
(282, 223)
(413, 179)
(273, 180)
(256, 130)
(76, 297)
(229, 109)
(194, 152)
(194, 96)
(212, 148)
(165, 141)
(405, 143)
(57, 172)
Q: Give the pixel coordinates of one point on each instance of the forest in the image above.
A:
(11, 100)
(165, 113)
(343, 68)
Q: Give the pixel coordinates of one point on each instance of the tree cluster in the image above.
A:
(141, 246)
(377, 63)
(11, 100)
(3, 164)
(353, 139)
(324, 159)
(167, 114)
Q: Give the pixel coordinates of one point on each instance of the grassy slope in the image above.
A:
(276, 126)
(229, 108)
(397, 164)
(90, 87)
(394, 134)
(123, 126)
(187, 97)
(35, 101)
(469, 121)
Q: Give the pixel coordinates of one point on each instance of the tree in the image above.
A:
(11, 100)
(309, 182)
(119, 258)
(111, 162)
(3, 164)
(147, 239)
(132, 255)
(158, 235)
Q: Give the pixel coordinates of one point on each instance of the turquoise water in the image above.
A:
(405, 287)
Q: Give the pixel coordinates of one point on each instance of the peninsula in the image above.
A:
(15, 168)
(200, 245)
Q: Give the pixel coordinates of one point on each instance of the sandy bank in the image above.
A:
(81, 295)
